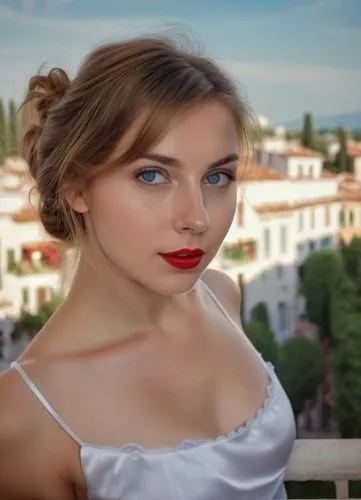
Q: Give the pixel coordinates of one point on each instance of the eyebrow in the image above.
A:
(173, 162)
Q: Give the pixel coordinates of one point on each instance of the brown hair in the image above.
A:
(143, 82)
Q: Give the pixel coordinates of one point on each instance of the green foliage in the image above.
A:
(48, 308)
(307, 139)
(263, 340)
(34, 322)
(342, 161)
(12, 129)
(290, 135)
(310, 489)
(260, 313)
(31, 322)
(352, 258)
(301, 368)
(322, 274)
(356, 135)
(347, 370)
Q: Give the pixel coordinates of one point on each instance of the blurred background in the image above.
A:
(294, 247)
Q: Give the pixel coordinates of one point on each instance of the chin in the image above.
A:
(178, 283)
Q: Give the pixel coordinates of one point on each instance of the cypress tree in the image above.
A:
(307, 138)
(342, 163)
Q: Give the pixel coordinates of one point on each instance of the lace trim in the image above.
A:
(135, 450)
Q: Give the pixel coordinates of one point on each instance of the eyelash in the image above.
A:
(231, 176)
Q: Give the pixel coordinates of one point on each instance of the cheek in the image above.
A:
(123, 215)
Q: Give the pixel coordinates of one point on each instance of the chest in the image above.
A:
(168, 392)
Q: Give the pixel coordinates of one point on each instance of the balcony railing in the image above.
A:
(336, 460)
(239, 252)
(36, 258)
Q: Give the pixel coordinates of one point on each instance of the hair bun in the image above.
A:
(44, 91)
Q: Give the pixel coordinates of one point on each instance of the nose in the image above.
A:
(191, 213)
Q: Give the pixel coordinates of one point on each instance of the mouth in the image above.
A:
(184, 258)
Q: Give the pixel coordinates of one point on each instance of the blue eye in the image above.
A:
(149, 176)
(219, 179)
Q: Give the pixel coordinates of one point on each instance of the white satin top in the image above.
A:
(246, 464)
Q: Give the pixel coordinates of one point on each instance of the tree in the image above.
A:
(301, 368)
(322, 273)
(48, 308)
(342, 162)
(12, 129)
(263, 341)
(260, 313)
(307, 139)
(347, 372)
(352, 258)
(34, 322)
(2, 133)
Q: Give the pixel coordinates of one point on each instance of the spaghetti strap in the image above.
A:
(221, 307)
(44, 402)
(230, 319)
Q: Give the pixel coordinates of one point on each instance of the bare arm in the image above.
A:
(27, 470)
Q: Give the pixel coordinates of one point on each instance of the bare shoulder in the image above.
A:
(225, 289)
(26, 472)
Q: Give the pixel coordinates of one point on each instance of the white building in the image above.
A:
(29, 265)
(285, 211)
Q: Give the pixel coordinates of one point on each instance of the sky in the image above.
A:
(288, 57)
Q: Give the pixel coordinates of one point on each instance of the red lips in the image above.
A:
(184, 258)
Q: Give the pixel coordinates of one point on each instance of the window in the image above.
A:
(300, 220)
(11, 259)
(342, 217)
(327, 215)
(352, 218)
(267, 243)
(312, 218)
(282, 316)
(25, 296)
(299, 171)
(326, 242)
(311, 171)
(312, 246)
(279, 271)
(283, 237)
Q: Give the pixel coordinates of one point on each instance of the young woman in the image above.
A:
(142, 385)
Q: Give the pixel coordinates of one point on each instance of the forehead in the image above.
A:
(207, 130)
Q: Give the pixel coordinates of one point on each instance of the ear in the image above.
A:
(76, 199)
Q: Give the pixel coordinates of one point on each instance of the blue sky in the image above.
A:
(287, 56)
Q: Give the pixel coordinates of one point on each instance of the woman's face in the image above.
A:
(181, 195)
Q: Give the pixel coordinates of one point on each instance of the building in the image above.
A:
(29, 262)
(287, 209)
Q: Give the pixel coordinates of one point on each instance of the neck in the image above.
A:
(112, 305)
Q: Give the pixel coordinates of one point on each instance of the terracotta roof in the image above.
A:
(26, 214)
(300, 151)
(350, 194)
(354, 151)
(262, 173)
(5, 303)
(288, 206)
(304, 328)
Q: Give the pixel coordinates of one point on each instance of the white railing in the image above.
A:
(336, 460)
